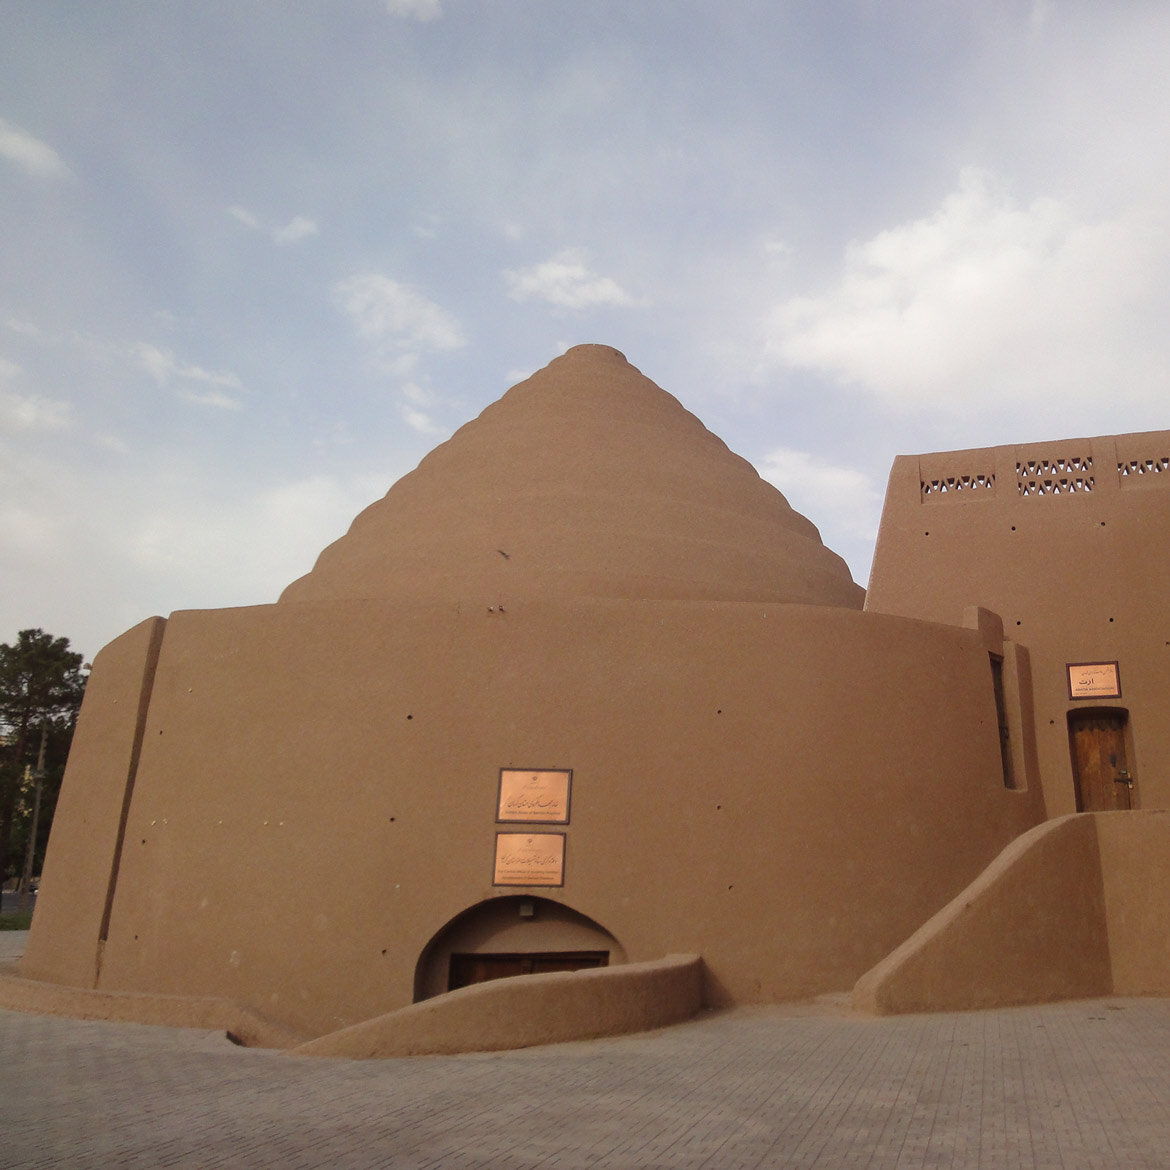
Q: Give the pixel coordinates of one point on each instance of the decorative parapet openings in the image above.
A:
(949, 487)
(1058, 476)
(1143, 471)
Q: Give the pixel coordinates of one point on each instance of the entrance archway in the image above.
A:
(512, 935)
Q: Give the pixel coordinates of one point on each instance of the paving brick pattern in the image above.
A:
(1070, 1085)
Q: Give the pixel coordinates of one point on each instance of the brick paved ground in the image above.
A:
(1069, 1085)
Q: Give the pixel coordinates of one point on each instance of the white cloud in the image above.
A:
(1042, 11)
(418, 9)
(33, 156)
(841, 499)
(269, 537)
(25, 532)
(419, 420)
(28, 412)
(417, 394)
(567, 281)
(154, 534)
(298, 228)
(397, 318)
(413, 408)
(772, 245)
(24, 328)
(215, 398)
(162, 365)
(987, 301)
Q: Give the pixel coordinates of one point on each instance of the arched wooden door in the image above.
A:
(1100, 765)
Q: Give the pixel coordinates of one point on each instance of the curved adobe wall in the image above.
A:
(532, 1009)
(786, 790)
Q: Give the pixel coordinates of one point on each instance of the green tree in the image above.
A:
(41, 685)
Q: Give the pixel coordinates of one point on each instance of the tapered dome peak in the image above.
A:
(584, 480)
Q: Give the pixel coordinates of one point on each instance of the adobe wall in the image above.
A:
(1076, 908)
(1030, 929)
(539, 1009)
(1135, 868)
(82, 861)
(786, 790)
(1063, 541)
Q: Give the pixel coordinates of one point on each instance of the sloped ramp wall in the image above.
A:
(1075, 908)
(242, 1025)
(527, 1010)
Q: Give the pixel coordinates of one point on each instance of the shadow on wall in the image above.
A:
(1074, 909)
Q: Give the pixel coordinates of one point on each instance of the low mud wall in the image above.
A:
(527, 1010)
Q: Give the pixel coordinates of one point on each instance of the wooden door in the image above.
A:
(471, 968)
(1099, 762)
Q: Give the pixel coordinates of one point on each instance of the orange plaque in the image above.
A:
(529, 859)
(1094, 680)
(534, 796)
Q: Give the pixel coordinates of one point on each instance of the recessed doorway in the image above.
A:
(514, 934)
(469, 969)
(1100, 760)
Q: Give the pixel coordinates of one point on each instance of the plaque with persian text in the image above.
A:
(1094, 680)
(534, 796)
(529, 859)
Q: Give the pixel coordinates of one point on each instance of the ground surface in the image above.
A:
(1069, 1085)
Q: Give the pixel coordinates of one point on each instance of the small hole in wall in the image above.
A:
(1102, 523)
(731, 887)
(1013, 528)
(136, 938)
(383, 950)
(1019, 623)
(718, 807)
(393, 819)
(720, 710)
(926, 534)
(1110, 619)
(1052, 722)
(143, 840)
(410, 716)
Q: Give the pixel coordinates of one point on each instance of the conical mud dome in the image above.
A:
(585, 480)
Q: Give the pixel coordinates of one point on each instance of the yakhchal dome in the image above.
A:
(585, 480)
(329, 820)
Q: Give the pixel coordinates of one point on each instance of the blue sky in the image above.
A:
(257, 257)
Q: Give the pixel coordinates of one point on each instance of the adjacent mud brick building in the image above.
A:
(1069, 543)
(583, 690)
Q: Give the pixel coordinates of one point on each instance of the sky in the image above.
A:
(258, 257)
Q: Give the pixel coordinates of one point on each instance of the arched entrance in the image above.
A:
(1098, 741)
(512, 935)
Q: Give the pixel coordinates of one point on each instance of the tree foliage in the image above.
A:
(41, 685)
